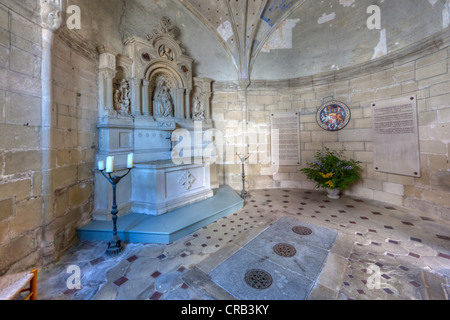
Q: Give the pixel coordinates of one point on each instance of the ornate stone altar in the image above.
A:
(144, 95)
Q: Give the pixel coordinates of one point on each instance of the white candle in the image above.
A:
(130, 161)
(101, 165)
(109, 164)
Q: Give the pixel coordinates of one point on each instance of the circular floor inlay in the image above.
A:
(303, 231)
(284, 250)
(258, 279)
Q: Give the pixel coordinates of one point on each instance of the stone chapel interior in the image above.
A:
(187, 87)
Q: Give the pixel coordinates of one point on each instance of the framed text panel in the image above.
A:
(396, 136)
(285, 138)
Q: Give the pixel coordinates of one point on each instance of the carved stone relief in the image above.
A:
(122, 101)
(198, 112)
(165, 52)
(167, 28)
(158, 84)
(201, 95)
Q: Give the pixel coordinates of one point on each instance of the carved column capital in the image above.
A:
(52, 14)
(108, 74)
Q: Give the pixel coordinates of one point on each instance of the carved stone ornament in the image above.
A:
(187, 180)
(184, 68)
(166, 25)
(167, 125)
(122, 101)
(146, 57)
(165, 52)
(167, 28)
(51, 14)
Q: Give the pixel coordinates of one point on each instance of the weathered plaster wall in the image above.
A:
(211, 59)
(101, 21)
(110, 22)
(333, 34)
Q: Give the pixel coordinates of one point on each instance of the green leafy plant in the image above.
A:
(331, 171)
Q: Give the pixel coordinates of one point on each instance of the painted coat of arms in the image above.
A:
(333, 116)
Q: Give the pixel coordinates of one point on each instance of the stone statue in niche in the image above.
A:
(198, 113)
(122, 101)
(162, 102)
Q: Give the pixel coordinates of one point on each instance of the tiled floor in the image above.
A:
(382, 252)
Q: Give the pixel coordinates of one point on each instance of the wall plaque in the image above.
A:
(285, 138)
(396, 136)
(333, 116)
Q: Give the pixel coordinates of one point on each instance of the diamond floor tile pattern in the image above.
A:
(409, 251)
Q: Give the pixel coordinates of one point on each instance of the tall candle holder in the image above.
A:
(115, 246)
(244, 193)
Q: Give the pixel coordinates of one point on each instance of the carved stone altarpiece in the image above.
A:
(144, 95)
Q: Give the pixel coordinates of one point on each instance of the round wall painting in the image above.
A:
(333, 116)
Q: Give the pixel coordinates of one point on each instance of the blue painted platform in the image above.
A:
(167, 228)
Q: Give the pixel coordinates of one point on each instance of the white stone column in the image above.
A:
(107, 72)
(135, 85)
(179, 112)
(207, 104)
(145, 98)
(109, 93)
(187, 105)
(51, 14)
(47, 92)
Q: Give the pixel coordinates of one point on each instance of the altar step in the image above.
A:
(167, 228)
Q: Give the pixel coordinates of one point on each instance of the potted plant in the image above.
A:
(332, 172)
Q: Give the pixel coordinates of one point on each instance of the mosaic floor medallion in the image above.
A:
(258, 279)
(285, 250)
(303, 231)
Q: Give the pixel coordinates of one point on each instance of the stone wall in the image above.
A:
(422, 70)
(20, 154)
(36, 229)
(74, 138)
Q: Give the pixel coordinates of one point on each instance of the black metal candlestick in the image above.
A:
(115, 245)
(244, 193)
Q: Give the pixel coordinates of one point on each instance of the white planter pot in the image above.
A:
(334, 194)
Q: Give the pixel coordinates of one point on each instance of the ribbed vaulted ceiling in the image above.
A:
(242, 26)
